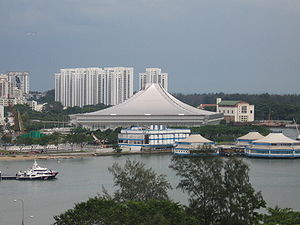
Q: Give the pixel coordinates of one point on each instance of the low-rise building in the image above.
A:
(154, 138)
(246, 140)
(193, 144)
(235, 111)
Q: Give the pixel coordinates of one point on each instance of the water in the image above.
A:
(80, 179)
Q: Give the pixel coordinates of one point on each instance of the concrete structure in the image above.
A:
(274, 145)
(246, 140)
(89, 86)
(4, 86)
(153, 76)
(236, 111)
(192, 143)
(2, 115)
(14, 85)
(119, 84)
(19, 83)
(152, 105)
(156, 137)
(33, 105)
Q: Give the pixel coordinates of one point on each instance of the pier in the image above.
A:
(7, 177)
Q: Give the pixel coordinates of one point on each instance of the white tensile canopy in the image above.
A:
(196, 138)
(276, 138)
(150, 106)
(253, 135)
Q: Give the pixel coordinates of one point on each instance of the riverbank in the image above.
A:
(75, 155)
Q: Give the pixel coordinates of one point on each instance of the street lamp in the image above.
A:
(21, 200)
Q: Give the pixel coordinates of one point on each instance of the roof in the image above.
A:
(229, 102)
(251, 136)
(153, 100)
(276, 138)
(196, 138)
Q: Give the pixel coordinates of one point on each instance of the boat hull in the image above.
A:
(49, 177)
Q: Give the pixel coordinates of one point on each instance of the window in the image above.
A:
(244, 109)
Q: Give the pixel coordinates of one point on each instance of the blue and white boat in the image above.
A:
(274, 145)
(195, 145)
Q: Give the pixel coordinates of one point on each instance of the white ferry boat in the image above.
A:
(36, 173)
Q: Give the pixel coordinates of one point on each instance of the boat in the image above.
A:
(36, 173)
(274, 145)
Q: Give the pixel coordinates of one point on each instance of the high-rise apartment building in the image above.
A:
(119, 84)
(19, 83)
(4, 85)
(89, 86)
(14, 85)
(153, 75)
(77, 86)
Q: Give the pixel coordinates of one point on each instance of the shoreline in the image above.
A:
(72, 155)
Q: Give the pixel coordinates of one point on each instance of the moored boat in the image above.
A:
(36, 173)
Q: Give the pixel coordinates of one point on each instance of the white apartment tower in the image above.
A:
(119, 84)
(153, 75)
(89, 86)
(14, 85)
(4, 85)
(19, 83)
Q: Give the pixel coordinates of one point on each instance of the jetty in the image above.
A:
(7, 177)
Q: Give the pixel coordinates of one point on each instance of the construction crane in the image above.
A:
(99, 141)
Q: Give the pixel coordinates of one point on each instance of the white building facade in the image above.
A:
(90, 86)
(156, 137)
(14, 84)
(153, 76)
(19, 81)
(235, 111)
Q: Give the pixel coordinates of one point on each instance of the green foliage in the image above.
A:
(6, 138)
(54, 138)
(227, 132)
(278, 107)
(280, 216)
(108, 212)
(137, 183)
(109, 136)
(48, 98)
(53, 111)
(220, 192)
(85, 109)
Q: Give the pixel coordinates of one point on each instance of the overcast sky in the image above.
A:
(244, 46)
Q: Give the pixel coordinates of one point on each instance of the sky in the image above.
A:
(206, 46)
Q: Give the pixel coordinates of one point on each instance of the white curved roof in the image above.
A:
(196, 138)
(276, 138)
(251, 136)
(153, 100)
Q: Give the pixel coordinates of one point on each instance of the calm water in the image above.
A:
(80, 179)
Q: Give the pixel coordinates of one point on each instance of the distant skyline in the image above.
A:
(233, 46)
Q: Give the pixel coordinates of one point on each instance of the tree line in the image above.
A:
(267, 106)
(218, 133)
(219, 192)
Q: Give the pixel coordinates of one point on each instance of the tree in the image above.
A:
(201, 178)
(240, 197)
(219, 191)
(280, 216)
(137, 183)
(109, 212)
